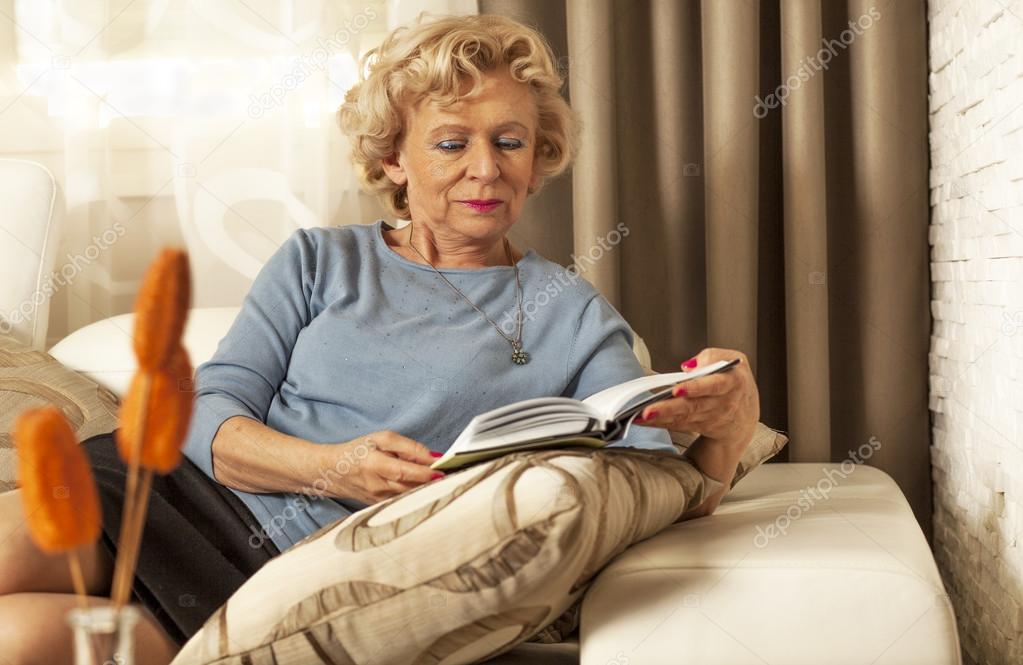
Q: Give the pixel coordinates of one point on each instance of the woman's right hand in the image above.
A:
(374, 467)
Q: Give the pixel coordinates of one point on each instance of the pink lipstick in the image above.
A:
(482, 205)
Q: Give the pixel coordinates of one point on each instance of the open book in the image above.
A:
(551, 422)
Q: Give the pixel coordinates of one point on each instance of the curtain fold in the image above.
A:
(595, 192)
(804, 187)
(730, 32)
(769, 160)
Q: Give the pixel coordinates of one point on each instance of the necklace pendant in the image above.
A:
(519, 357)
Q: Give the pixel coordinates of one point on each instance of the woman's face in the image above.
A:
(479, 149)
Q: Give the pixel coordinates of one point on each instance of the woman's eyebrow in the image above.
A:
(463, 128)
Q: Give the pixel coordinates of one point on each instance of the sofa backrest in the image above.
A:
(103, 351)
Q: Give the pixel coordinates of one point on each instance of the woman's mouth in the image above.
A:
(482, 205)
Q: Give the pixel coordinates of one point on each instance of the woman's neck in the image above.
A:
(448, 252)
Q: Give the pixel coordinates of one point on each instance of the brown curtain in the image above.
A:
(797, 234)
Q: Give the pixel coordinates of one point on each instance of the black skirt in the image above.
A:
(196, 548)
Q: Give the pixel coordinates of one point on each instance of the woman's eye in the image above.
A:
(453, 146)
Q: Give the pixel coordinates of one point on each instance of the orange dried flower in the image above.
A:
(58, 490)
(167, 416)
(161, 309)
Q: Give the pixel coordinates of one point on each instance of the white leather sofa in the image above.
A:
(772, 577)
(763, 580)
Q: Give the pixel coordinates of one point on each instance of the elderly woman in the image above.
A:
(362, 351)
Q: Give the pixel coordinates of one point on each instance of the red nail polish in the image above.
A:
(436, 454)
(679, 391)
(435, 476)
(689, 364)
(650, 416)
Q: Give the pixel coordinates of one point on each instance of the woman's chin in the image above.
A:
(480, 225)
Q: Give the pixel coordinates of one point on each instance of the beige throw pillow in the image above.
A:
(31, 378)
(766, 443)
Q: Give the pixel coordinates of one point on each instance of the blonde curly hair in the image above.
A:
(434, 59)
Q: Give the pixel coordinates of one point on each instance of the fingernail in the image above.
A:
(435, 476)
(679, 391)
(689, 364)
(436, 454)
(647, 418)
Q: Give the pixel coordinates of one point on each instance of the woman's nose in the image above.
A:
(483, 163)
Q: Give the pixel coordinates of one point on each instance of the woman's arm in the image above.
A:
(250, 457)
(724, 408)
(252, 359)
(720, 462)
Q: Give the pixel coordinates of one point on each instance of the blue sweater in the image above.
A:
(341, 336)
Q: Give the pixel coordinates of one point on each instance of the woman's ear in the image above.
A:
(394, 170)
(534, 177)
(534, 183)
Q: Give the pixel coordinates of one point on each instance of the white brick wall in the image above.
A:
(976, 358)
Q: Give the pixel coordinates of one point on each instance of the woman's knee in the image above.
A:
(33, 631)
(29, 634)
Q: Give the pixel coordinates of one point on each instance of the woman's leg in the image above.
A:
(36, 591)
(33, 631)
(25, 568)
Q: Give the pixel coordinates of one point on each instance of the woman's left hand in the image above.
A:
(723, 407)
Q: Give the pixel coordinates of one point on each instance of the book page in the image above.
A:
(533, 422)
(609, 402)
(496, 417)
(570, 408)
(451, 461)
(572, 426)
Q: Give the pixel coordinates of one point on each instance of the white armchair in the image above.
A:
(29, 234)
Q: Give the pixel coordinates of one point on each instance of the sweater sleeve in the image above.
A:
(251, 361)
(601, 356)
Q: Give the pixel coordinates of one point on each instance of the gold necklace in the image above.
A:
(519, 356)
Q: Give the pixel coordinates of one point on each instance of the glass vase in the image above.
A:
(103, 635)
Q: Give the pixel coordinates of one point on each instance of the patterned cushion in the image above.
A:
(32, 378)
(457, 570)
(766, 443)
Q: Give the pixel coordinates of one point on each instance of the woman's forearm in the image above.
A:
(249, 456)
(720, 461)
